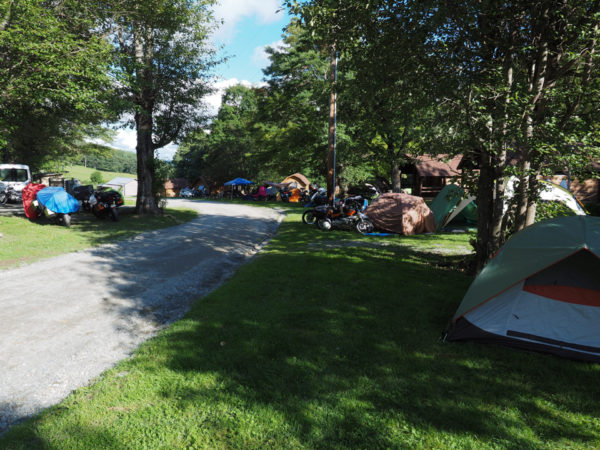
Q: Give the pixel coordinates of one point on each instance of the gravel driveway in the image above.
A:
(65, 320)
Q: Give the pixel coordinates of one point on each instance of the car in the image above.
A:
(186, 192)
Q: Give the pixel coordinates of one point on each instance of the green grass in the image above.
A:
(329, 340)
(25, 241)
(83, 174)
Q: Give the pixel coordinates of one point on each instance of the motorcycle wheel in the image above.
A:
(324, 224)
(66, 220)
(364, 226)
(308, 217)
(114, 215)
(3, 198)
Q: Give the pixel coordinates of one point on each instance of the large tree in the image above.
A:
(53, 77)
(525, 90)
(163, 61)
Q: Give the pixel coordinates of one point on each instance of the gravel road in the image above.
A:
(65, 320)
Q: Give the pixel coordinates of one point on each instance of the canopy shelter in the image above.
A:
(541, 292)
(237, 182)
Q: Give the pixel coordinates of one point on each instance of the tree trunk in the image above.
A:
(332, 128)
(145, 202)
(522, 197)
(485, 245)
(396, 177)
(532, 206)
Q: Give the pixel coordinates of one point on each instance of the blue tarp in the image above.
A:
(238, 182)
(57, 200)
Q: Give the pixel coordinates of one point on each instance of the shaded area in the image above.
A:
(338, 349)
(67, 319)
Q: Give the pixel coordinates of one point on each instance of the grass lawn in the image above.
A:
(329, 340)
(83, 173)
(25, 241)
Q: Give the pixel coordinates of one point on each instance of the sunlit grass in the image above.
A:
(329, 340)
(25, 241)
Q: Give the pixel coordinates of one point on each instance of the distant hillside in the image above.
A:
(83, 174)
(108, 159)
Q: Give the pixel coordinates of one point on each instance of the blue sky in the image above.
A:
(249, 26)
(245, 47)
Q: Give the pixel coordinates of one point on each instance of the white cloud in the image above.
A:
(233, 11)
(213, 101)
(260, 57)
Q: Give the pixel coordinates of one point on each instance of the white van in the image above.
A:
(16, 175)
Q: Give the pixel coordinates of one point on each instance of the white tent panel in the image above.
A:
(525, 313)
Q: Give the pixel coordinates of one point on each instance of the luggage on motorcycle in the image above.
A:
(83, 192)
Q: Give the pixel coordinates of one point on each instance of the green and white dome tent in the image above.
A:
(540, 292)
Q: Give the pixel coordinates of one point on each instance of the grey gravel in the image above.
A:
(65, 320)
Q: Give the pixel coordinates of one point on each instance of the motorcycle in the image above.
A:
(8, 193)
(83, 194)
(346, 214)
(54, 203)
(104, 204)
(316, 197)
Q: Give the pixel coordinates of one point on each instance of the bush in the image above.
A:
(96, 178)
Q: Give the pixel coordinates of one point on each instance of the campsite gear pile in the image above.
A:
(54, 203)
(540, 292)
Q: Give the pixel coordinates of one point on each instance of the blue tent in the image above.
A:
(57, 200)
(238, 182)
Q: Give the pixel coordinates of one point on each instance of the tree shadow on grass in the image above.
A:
(363, 367)
(345, 353)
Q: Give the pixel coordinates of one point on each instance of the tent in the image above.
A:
(401, 213)
(540, 292)
(549, 192)
(452, 204)
(301, 182)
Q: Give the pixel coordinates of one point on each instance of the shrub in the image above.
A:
(96, 178)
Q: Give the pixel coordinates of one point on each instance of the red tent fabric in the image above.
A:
(29, 193)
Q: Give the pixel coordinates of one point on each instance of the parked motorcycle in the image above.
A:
(55, 204)
(83, 194)
(104, 204)
(9, 194)
(317, 196)
(345, 214)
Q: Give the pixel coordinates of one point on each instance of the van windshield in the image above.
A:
(13, 175)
